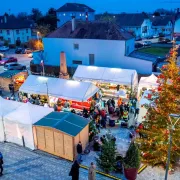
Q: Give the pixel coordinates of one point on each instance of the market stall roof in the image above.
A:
(144, 100)
(9, 74)
(61, 88)
(7, 106)
(150, 81)
(104, 74)
(27, 113)
(66, 122)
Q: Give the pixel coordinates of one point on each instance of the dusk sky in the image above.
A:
(114, 6)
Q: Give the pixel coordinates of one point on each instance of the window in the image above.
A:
(0, 31)
(8, 32)
(9, 40)
(76, 46)
(64, 14)
(91, 59)
(26, 30)
(79, 14)
(18, 38)
(17, 31)
(27, 38)
(77, 62)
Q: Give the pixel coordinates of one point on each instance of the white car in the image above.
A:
(156, 36)
(4, 48)
(147, 43)
(2, 55)
(30, 55)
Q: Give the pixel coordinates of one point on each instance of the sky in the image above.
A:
(113, 6)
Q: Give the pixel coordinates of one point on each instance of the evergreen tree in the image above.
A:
(107, 157)
(157, 124)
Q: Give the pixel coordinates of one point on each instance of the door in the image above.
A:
(68, 147)
(40, 138)
(59, 144)
(91, 59)
(49, 138)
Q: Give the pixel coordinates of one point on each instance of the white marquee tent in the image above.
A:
(61, 88)
(148, 82)
(17, 124)
(104, 74)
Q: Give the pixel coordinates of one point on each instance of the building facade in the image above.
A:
(13, 29)
(80, 11)
(100, 44)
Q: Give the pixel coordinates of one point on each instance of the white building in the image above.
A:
(162, 25)
(93, 43)
(177, 30)
(139, 24)
(80, 11)
(12, 29)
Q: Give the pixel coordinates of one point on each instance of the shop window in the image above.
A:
(91, 59)
(77, 62)
(17, 31)
(76, 46)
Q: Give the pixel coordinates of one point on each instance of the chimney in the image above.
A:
(73, 23)
(5, 18)
(63, 67)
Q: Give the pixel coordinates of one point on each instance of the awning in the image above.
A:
(61, 88)
(109, 75)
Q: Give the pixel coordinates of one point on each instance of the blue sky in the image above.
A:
(115, 6)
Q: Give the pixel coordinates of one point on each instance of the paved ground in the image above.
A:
(22, 164)
(22, 59)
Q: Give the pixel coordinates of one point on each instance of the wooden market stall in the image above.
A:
(14, 77)
(58, 133)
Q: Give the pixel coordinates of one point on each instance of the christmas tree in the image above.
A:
(157, 122)
(107, 157)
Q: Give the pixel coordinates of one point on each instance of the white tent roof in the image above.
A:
(27, 114)
(7, 106)
(149, 81)
(103, 74)
(61, 88)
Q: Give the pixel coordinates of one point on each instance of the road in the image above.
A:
(22, 59)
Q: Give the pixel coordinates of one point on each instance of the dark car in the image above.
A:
(14, 66)
(150, 37)
(8, 60)
(138, 45)
(138, 39)
(19, 50)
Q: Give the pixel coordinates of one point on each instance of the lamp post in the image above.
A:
(171, 128)
(38, 39)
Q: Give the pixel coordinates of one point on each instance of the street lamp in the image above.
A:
(38, 39)
(171, 128)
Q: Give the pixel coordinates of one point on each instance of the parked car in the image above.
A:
(27, 51)
(19, 50)
(14, 66)
(4, 48)
(149, 37)
(138, 45)
(138, 39)
(7, 60)
(156, 36)
(2, 55)
(147, 43)
(30, 55)
(165, 41)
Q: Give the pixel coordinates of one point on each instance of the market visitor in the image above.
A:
(74, 172)
(97, 121)
(79, 151)
(103, 139)
(66, 104)
(92, 172)
(113, 102)
(125, 114)
(1, 164)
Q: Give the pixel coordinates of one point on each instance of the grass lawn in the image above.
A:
(159, 51)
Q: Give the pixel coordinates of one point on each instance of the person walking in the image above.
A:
(79, 151)
(1, 164)
(92, 172)
(75, 170)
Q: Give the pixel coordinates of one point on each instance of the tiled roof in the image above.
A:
(15, 23)
(91, 30)
(131, 20)
(75, 7)
(161, 20)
